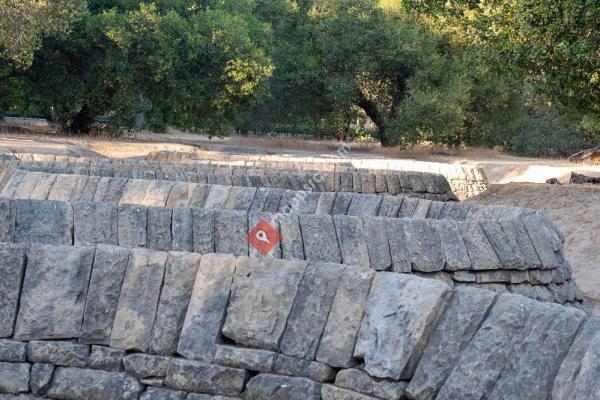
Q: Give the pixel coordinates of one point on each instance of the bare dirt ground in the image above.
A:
(576, 210)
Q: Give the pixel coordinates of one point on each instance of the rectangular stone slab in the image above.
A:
(312, 305)
(158, 233)
(202, 377)
(481, 252)
(465, 312)
(262, 296)
(240, 198)
(292, 246)
(157, 193)
(319, 237)
(132, 329)
(79, 384)
(8, 215)
(508, 252)
(267, 386)
(203, 230)
(95, 223)
(424, 246)
(365, 205)
(201, 332)
(12, 269)
(132, 225)
(217, 197)
(44, 222)
(587, 385)
(401, 260)
(231, 229)
(403, 309)
(352, 240)
(455, 251)
(390, 206)
(180, 273)
(547, 245)
(341, 330)
(107, 276)
(54, 292)
(182, 237)
(342, 203)
(378, 245)
(135, 191)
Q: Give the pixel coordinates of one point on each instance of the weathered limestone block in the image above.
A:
(408, 207)
(107, 276)
(182, 237)
(314, 370)
(274, 387)
(199, 196)
(240, 198)
(342, 203)
(404, 310)
(54, 292)
(484, 358)
(88, 384)
(12, 181)
(367, 182)
(65, 354)
(250, 359)
(401, 260)
(101, 191)
(106, 358)
(424, 246)
(134, 319)
(181, 194)
(352, 240)
(312, 305)
(13, 351)
(158, 234)
(393, 184)
(422, 209)
(47, 222)
(292, 247)
(481, 252)
(330, 392)
(273, 200)
(217, 197)
(455, 211)
(465, 312)
(146, 366)
(207, 307)
(341, 330)
(587, 385)
(180, 273)
(203, 230)
(95, 223)
(365, 205)
(261, 300)
(319, 237)
(41, 376)
(135, 191)
(63, 188)
(325, 203)
(162, 394)
(114, 190)
(8, 215)
(454, 249)
(507, 251)
(378, 247)
(359, 381)
(518, 237)
(12, 269)
(231, 229)
(390, 206)
(202, 377)
(157, 193)
(545, 240)
(27, 185)
(14, 377)
(132, 225)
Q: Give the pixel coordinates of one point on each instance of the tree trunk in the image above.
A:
(372, 112)
(82, 122)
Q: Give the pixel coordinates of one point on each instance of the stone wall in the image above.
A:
(109, 323)
(521, 255)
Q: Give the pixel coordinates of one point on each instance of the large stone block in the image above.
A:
(110, 264)
(202, 377)
(311, 307)
(424, 246)
(403, 309)
(146, 366)
(546, 241)
(378, 246)
(95, 223)
(330, 392)
(401, 259)
(274, 387)
(14, 377)
(292, 246)
(203, 230)
(359, 381)
(46, 222)
(481, 252)
(217, 197)
(508, 251)
(134, 319)
(162, 394)
(352, 240)
(158, 234)
(106, 358)
(341, 330)
(182, 237)
(54, 292)
(231, 229)
(207, 307)
(180, 273)
(8, 215)
(158, 193)
(132, 225)
(41, 376)
(13, 351)
(342, 203)
(314, 370)
(390, 206)
(250, 359)
(66, 354)
(181, 194)
(135, 191)
(464, 314)
(12, 269)
(261, 300)
(455, 251)
(88, 384)
(319, 237)
(365, 205)
(240, 198)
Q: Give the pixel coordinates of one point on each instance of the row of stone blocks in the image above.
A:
(512, 254)
(109, 323)
(419, 184)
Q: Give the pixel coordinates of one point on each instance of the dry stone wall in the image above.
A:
(522, 255)
(104, 322)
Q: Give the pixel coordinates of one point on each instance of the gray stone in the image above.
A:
(134, 319)
(259, 200)
(13, 351)
(199, 196)
(292, 247)
(481, 252)
(12, 269)
(342, 203)
(106, 358)
(367, 182)
(393, 184)
(408, 207)
(41, 375)
(114, 190)
(341, 330)
(65, 354)
(95, 223)
(404, 310)
(133, 221)
(104, 290)
(135, 191)
(424, 246)
(507, 251)
(273, 200)
(162, 394)
(203, 230)
(231, 229)
(326, 202)
(240, 198)
(217, 197)
(464, 314)
(378, 246)
(101, 191)
(356, 183)
(401, 260)
(182, 237)
(390, 206)
(208, 304)
(422, 209)
(198, 376)
(359, 381)
(314, 370)
(274, 387)
(455, 211)
(352, 240)
(54, 292)
(88, 384)
(146, 366)
(181, 194)
(14, 377)
(320, 240)
(330, 392)
(311, 307)
(8, 215)
(455, 251)
(158, 193)
(464, 276)
(63, 188)
(261, 300)
(435, 210)
(366, 205)
(47, 222)
(180, 273)
(519, 238)
(546, 242)
(158, 234)
(587, 385)
(250, 359)
(484, 358)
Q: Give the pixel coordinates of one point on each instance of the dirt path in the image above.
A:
(576, 210)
